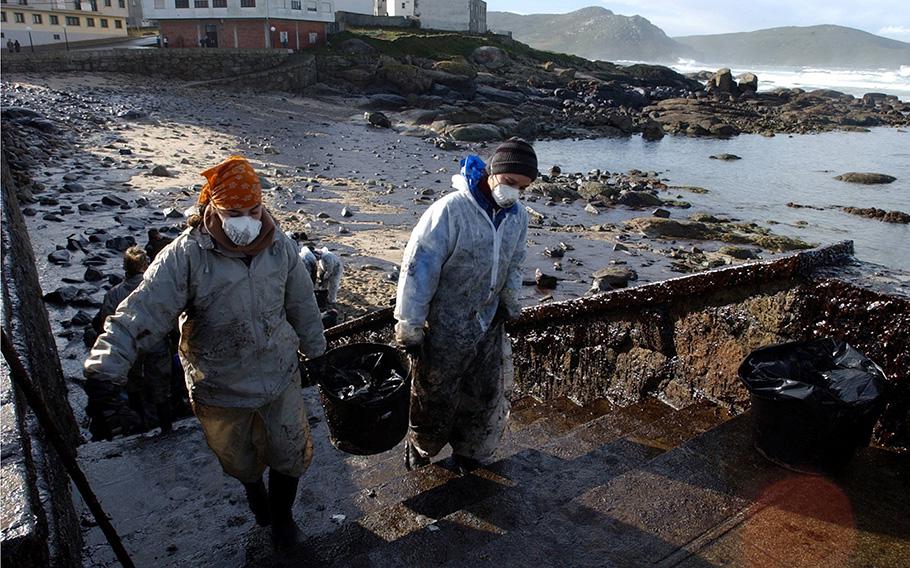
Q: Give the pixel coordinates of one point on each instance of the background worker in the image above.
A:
(459, 282)
(246, 306)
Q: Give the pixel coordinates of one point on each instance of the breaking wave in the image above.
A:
(856, 82)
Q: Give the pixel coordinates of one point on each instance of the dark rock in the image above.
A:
(652, 131)
(377, 119)
(345, 212)
(866, 178)
(160, 171)
(73, 187)
(132, 114)
(81, 319)
(880, 214)
(476, 133)
(741, 253)
(747, 81)
(356, 46)
(545, 281)
(113, 201)
(125, 152)
(120, 243)
(172, 213)
(490, 57)
(615, 276)
(385, 102)
(638, 199)
(662, 213)
(62, 296)
(114, 279)
(93, 275)
(29, 212)
(59, 257)
(500, 95)
(725, 157)
(53, 217)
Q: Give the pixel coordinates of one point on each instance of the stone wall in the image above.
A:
(186, 64)
(347, 20)
(39, 526)
(684, 339)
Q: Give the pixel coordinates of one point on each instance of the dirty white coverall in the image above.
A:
(458, 268)
(240, 330)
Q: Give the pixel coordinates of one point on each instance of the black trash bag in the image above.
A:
(814, 403)
(365, 391)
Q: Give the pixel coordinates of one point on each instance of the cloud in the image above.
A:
(894, 30)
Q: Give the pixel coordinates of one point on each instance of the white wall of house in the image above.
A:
(454, 15)
(311, 10)
(354, 6)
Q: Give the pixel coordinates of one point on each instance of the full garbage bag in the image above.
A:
(814, 403)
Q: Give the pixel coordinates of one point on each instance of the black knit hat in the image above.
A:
(514, 156)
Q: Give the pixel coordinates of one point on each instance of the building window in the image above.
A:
(104, 22)
(200, 3)
(247, 3)
(57, 36)
(23, 2)
(107, 3)
(94, 4)
(72, 21)
(295, 5)
(118, 24)
(20, 17)
(121, 3)
(181, 4)
(36, 19)
(90, 22)
(55, 21)
(310, 6)
(219, 3)
(404, 5)
(2, 16)
(314, 37)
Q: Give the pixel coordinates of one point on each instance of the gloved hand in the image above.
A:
(108, 410)
(509, 309)
(409, 337)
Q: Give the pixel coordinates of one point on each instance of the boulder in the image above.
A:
(356, 46)
(475, 133)
(662, 213)
(615, 276)
(591, 190)
(725, 157)
(120, 244)
(741, 253)
(161, 171)
(723, 81)
(113, 201)
(377, 119)
(555, 191)
(500, 95)
(384, 101)
(62, 296)
(455, 67)
(61, 256)
(490, 57)
(747, 81)
(669, 228)
(866, 178)
(638, 199)
(407, 79)
(544, 281)
(652, 130)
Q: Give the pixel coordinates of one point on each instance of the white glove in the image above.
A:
(407, 335)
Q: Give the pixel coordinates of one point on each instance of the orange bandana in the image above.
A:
(232, 184)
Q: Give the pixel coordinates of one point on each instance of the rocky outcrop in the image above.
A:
(866, 178)
(879, 214)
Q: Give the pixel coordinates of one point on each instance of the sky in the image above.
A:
(889, 18)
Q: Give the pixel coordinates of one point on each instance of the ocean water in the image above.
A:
(856, 82)
(772, 172)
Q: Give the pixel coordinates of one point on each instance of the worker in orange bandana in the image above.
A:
(245, 305)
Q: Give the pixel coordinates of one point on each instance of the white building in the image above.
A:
(454, 15)
(59, 22)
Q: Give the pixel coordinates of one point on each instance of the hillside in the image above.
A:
(822, 46)
(593, 33)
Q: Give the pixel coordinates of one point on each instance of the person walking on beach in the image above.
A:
(164, 41)
(149, 379)
(17, 47)
(9, 45)
(459, 284)
(245, 305)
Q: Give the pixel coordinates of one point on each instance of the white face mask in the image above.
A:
(241, 230)
(505, 195)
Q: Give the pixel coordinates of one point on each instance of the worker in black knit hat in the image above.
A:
(459, 284)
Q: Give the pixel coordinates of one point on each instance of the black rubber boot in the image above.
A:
(465, 465)
(258, 499)
(282, 493)
(163, 409)
(412, 458)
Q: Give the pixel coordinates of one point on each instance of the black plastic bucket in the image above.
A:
(364, 427)
(814, 404)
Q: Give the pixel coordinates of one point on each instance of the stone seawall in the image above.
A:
(185, 64)
(39, 525)
(684, 339)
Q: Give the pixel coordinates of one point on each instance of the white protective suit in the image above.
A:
(458, 269)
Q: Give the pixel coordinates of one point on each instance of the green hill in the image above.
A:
(822, 46)
(593, 33)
